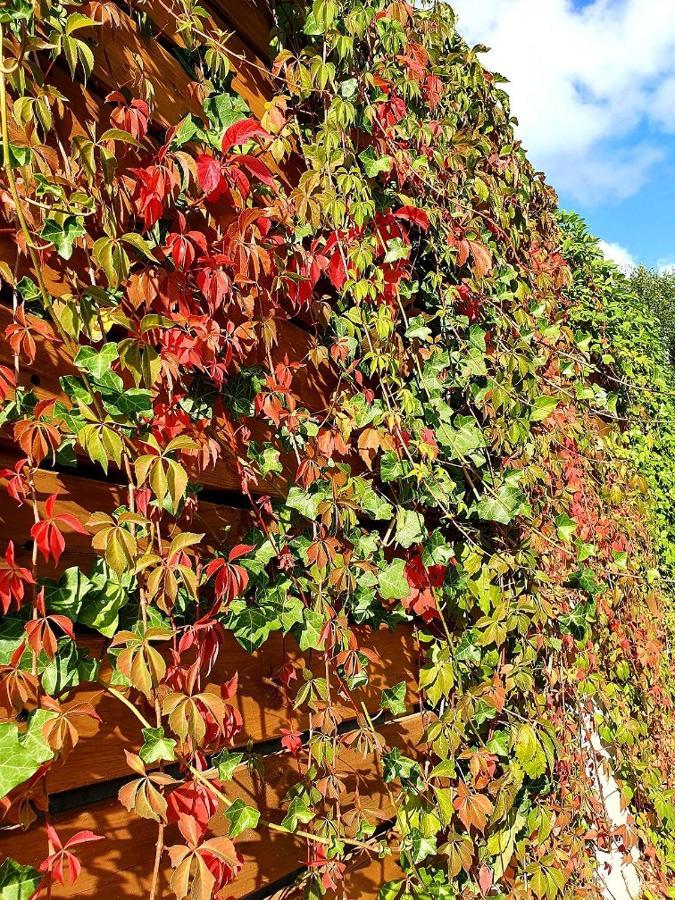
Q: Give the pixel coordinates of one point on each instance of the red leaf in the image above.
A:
(291, 740)
(240, 550)
(208, 173)
(240, 132)
(414, 215)
(257, 168)
(83, 837)
(485, 879)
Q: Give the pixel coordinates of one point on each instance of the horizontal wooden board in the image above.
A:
(313, 390)
(363, 878)
(246, 30)
(80, 497)
(121, 866)
(265, 709)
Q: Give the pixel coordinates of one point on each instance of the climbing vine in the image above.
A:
(464, 468)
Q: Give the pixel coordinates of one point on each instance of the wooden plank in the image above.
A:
(250, 18)
(313, 387)
(363, 879)
(246, 41)
(81, 497)
(121, 866)
(99, 756)
(123, 57)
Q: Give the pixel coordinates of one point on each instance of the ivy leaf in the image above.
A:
(396, 765)
(299, 812)
(251, 628)
(410, 527)
(306, 504)
(96, 362)
(566, 527)
(241, 817)
(186, 129)
(373, 165)
(462, 438)
(69, 667)
(310, 631)
(504, 503)
(226, 762)
(156, 746)
(21, 755)
(63, 234)
(65, 596)
(392, 583)
(224, 110)
(18, 882)
(130, 404)
(393, 699)
(102, 604)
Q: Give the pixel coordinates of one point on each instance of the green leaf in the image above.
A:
(224, 110)
(96, 362)
(17, 882)
(63, 234)
(529, 751)
(69, 667)
(102, 604)
(251, 628)
(396, 765)
(437, 678)
(373, 165)
(226, 762)
(11, 635)
(392, 583)
(310, 631)
(241, 817)
(65, 596)
(298, 813)
(410, 527)
(185, 131)
(566, 527)
(462, 438)
(156, 746)
(130, 403)
(21, 755)
(139, 244)
(542, 408)
(504, 503)
(306, 504)
(393, 699)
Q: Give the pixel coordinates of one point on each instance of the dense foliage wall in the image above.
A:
(465, 466)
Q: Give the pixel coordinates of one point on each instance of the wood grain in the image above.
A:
(121, 866)
(264, 708)
(80, 497)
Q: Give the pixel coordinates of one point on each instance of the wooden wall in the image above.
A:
(83, 791)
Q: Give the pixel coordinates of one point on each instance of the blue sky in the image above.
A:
(592, 83)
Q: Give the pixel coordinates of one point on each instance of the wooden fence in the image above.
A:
(83, 791)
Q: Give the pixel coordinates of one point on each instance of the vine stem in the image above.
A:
(159, 849)
(120, 696)
(202, 778)
(272, 826)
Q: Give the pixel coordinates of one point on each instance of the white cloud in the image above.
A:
(583, 80)
(666, 267)
(619, 255)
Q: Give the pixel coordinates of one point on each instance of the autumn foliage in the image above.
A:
(346, 320)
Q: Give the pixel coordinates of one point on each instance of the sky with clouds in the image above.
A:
(592, 83)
